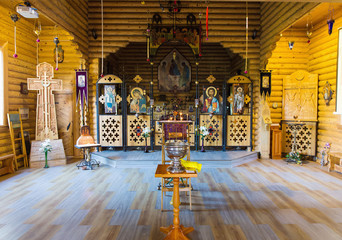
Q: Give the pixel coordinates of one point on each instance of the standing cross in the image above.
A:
(46, 120)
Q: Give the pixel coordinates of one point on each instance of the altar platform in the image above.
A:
(139, 159)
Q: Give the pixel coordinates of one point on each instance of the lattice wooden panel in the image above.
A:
(158, 135)
(134, 130)
(238, 131)
(214, 126)
(110, 130)
(306, 139)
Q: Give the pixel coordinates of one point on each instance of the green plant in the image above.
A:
(295, 156)
(146, 132)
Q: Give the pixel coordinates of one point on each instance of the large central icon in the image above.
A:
(174, 73)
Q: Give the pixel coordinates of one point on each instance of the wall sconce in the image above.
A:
(291, 43)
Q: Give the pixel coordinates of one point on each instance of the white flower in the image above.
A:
(205, 133)
(146, 130)
(45, 146)
(203, 128)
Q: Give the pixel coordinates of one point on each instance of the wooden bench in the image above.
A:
(335, 161)
(7, 164)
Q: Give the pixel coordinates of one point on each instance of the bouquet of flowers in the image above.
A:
(203, 132)
(324, 152)
(46, 147)
(146, 132)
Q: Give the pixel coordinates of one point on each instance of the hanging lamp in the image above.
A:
(309, 27)
(207, 21)
(15, 19)
(331, 19)
(58, 53)
(37, 29)
(101, 38)
(246, 63)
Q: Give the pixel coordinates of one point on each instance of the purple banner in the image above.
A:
(82, 87)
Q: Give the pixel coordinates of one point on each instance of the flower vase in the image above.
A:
(146, 150)
(46, 161)
(202, 149)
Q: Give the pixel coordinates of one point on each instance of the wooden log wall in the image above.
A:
(283, 62)
(323, 61)
(65, 99)
(320, 56)
(275, 17)
(19, 69)
(125, 22)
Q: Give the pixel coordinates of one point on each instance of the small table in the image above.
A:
(175, 231)
(87, 161)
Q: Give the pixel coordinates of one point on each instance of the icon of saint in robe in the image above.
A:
(211, 103)
(239, 98)
(110, 102)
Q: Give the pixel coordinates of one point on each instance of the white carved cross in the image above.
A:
(46, 121)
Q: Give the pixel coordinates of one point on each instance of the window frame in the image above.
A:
(338, 104)
(3, 112)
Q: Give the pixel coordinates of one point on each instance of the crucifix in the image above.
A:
(46, 120)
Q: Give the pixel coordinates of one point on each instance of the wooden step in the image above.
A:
(17, 139)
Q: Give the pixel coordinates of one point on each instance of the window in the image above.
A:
(339, 75)
(2, 100)
(3, 83)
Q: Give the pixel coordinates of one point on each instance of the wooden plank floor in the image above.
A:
(263, 199)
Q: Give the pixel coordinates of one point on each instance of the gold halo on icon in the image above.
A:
(207, 91)
(139, 89)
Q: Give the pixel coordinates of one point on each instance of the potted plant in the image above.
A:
(146, 133)
(46, 147)
(203, 132)
(295, 157)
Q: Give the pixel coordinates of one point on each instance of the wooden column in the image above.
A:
(197, 110)
(151, 119)
(124, 112)
(224, 114)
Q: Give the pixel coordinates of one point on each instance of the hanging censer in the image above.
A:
(37, 29)
(246, 63)
(15, 19)
(58, 53)
(309, 27)
(207, 21)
